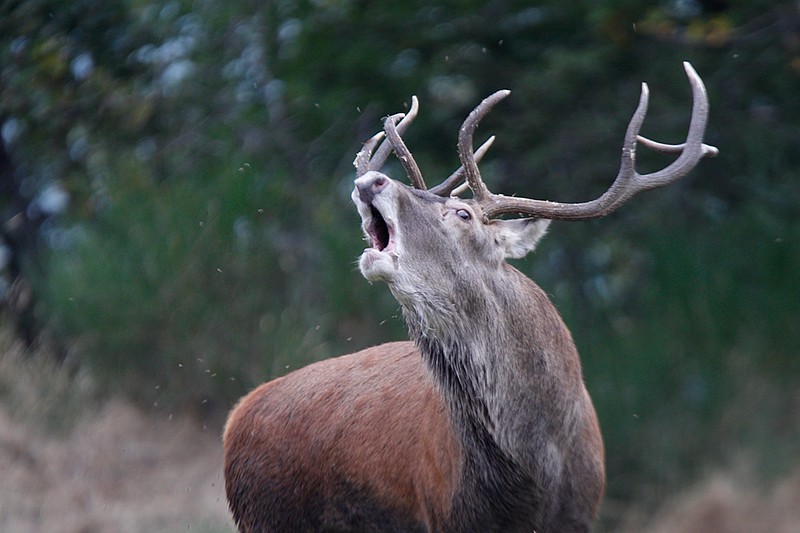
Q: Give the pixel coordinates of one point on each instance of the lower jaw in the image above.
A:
(377, 266)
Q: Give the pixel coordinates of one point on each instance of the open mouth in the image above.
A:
(379, 231)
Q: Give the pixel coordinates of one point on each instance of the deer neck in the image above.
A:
(505, 363)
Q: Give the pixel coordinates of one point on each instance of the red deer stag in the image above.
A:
(482, 423)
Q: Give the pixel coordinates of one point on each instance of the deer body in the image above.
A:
(482, 423)
(391, 439)
(326, 458)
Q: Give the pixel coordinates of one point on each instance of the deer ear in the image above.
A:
(517, 237)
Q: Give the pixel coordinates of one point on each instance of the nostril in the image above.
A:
(379, 184)
(368, 188)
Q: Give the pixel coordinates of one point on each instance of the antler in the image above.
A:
(366, 161)
(402, 152)
(627, 183)
(450, 186)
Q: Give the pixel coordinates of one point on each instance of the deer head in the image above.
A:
(432, 238)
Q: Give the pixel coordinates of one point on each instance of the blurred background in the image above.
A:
(176, 228)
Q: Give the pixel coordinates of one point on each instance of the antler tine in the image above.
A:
(449, 186)
(693, 150)
(465, 152)
(383, 151)
(674, 149)
(365, 154)
(403, 153)
(628, 182)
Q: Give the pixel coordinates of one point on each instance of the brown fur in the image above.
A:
(371, 420)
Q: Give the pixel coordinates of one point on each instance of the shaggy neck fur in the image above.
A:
(509, 390)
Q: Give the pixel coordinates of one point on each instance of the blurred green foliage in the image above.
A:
(209, 244)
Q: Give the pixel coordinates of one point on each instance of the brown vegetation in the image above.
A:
(728, 502)
(118, 470)
(72, 465)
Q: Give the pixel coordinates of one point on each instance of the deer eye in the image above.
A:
(463, 214)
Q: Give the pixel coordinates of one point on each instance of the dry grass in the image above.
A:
(118, 470)
(73, 465)
(727, 502)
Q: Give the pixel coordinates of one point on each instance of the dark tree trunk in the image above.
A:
(18, 239)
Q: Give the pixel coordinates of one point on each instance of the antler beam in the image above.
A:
(627, 183)
(403, 153)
